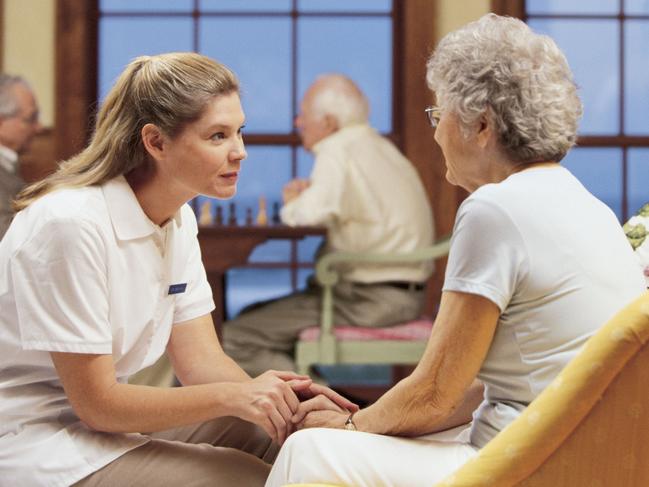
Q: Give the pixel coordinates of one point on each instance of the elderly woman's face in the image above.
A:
(460, 154)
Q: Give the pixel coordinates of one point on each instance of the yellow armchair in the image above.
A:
(590, 427)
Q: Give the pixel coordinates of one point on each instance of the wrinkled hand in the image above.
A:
(324, 419)
(294, 188)
(270, 401)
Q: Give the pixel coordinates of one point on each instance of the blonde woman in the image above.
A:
(101, 272)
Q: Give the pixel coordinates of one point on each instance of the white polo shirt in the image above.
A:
(85, 271)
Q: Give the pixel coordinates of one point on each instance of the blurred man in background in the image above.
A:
(18, 126)
(371, 199)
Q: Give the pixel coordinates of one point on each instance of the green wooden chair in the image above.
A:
(328, 345)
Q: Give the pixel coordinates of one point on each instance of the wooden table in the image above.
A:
(225, 246)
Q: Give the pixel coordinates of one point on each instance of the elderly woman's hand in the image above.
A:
(323, 418)
(315, 390)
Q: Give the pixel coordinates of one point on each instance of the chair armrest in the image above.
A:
(328, 276)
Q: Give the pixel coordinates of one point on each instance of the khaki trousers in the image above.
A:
(263, 336)
(223, 452)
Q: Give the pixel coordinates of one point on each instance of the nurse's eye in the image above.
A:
(218, 136)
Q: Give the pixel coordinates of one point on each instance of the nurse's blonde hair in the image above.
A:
(168, 90)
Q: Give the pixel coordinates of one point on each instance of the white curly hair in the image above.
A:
(520, 79)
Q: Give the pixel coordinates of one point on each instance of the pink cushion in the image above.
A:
(409, 331)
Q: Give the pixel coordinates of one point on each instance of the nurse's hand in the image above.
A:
(315, 390)
(270, 401)
(317, 403)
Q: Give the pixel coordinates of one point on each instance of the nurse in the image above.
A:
(100, 273)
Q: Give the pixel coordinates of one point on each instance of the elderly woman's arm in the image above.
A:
(442, 389)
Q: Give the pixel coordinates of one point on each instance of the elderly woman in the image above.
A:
(525, 285)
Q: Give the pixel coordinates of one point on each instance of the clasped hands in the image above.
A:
(282, 402)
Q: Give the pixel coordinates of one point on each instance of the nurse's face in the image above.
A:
(205, 158)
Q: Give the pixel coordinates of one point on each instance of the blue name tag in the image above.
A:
(177, 288)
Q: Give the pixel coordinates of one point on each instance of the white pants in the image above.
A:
(353, 458)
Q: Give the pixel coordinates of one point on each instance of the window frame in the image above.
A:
(517, 8)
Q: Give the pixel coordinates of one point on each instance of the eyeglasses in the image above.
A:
(434, 114)
(28, 120)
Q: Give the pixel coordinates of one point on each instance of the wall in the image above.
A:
(28, 48)
(455, 13)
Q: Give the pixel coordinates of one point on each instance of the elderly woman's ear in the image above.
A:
(484, 130)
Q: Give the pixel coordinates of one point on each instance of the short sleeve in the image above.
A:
(487, 255)
(60, 287)
(197, 300)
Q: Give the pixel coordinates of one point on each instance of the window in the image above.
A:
(277, 48)
(605, 43)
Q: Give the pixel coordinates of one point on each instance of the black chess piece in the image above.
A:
(249, 216)
(232, 218)
(275, 219)
(218, 219)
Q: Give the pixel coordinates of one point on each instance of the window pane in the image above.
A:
(638, 179)
(636, 85)
(122, 39)
(302, 276)
(572, 6)
(306, 248)
(272, 251)
(365, 375)
(344, 5)
(360, 48)
(263, 174)
(247, 286)
(259, 52)
(600, 171)
(245, 5)
(636, 7)
(592, 49)
(146, 5)
(305, 162)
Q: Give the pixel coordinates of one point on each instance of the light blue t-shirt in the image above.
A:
(556, 262)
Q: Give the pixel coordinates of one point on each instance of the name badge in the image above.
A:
(177, 288)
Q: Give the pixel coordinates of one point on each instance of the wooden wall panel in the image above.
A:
(419, 37)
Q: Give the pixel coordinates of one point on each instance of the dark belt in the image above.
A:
(416, 286)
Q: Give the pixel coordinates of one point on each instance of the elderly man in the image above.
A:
(18, 126)
(371, 199)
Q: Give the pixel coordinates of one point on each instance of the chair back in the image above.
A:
(590, 427)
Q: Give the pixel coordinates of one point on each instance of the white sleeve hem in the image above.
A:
(105, 348)
(199, 309)
(489, 292)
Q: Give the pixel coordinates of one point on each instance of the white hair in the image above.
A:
(521, 80)
(340, 97)
(8, 101)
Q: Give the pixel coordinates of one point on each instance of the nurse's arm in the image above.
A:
(197, 356)
(441, 391)
(104, 404)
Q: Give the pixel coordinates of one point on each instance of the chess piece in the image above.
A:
(219, 215)
(205, 217)
(276, 219)
(248, 216)
(262, 217)
(232, 218)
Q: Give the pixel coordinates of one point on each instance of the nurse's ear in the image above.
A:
(153, 140)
